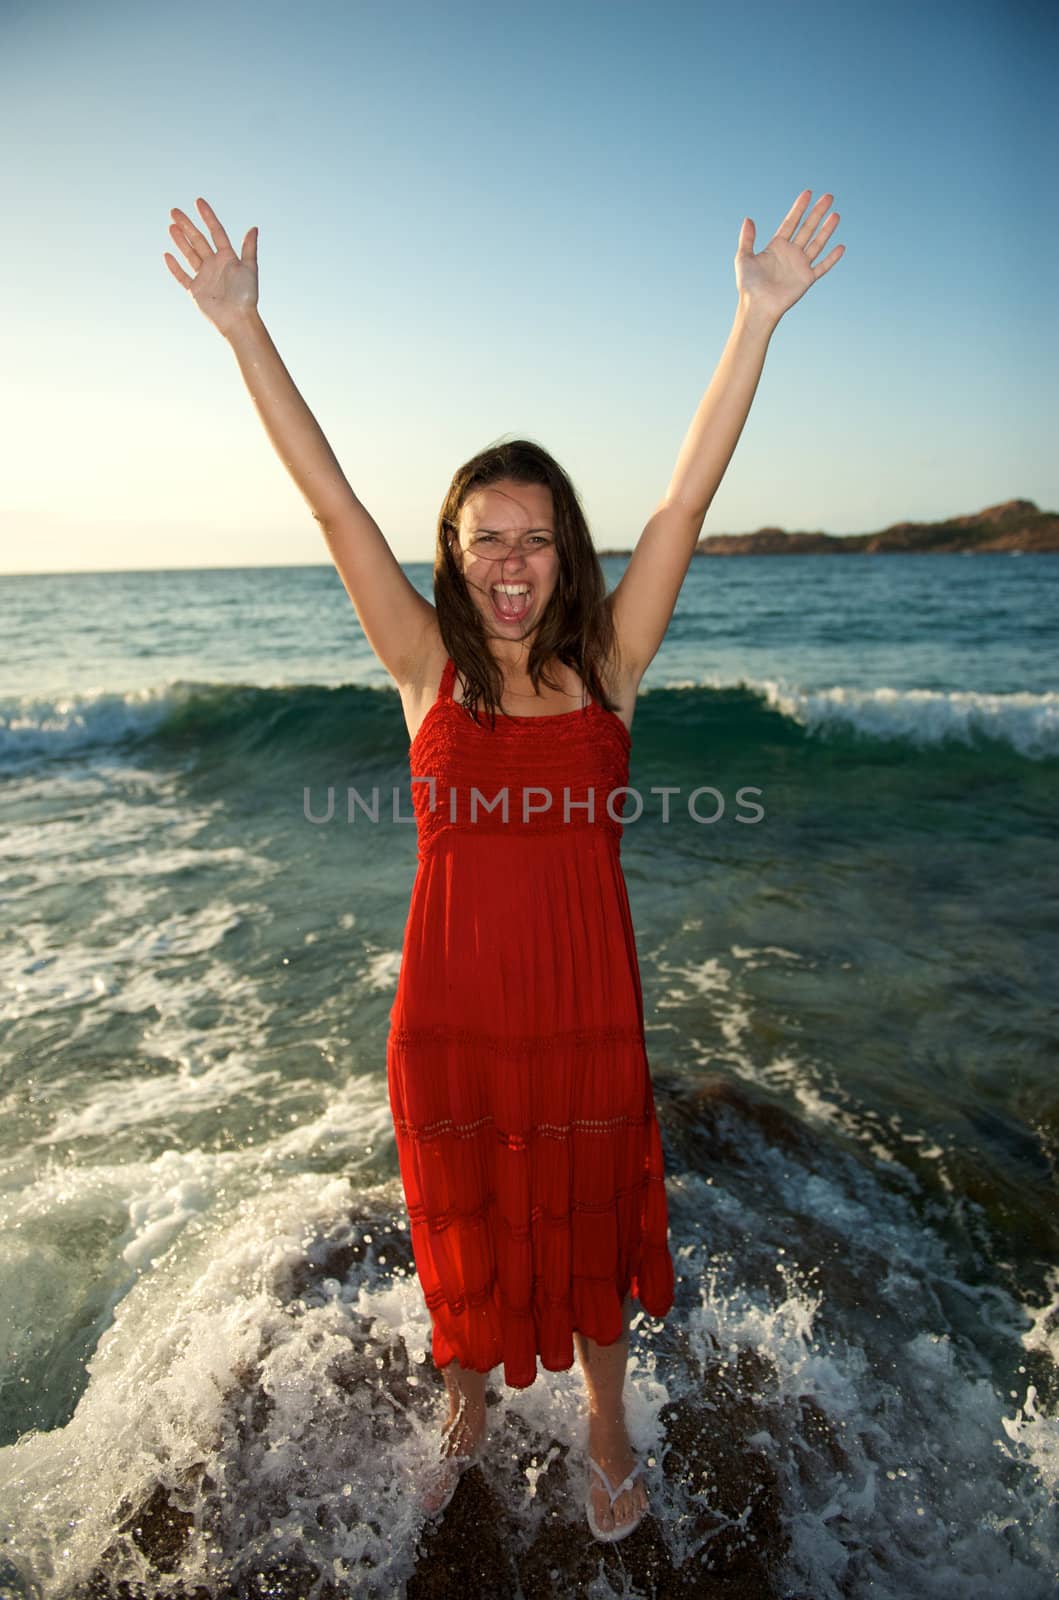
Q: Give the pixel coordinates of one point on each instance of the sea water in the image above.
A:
(214, 1370)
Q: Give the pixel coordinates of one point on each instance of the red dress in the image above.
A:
(519, 1084)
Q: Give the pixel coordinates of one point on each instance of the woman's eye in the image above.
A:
(536, 538)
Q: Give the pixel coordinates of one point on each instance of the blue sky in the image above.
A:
(495, 220)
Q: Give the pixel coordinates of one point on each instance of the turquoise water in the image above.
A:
(851, 1016)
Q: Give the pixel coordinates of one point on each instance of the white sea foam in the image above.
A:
(174, 1277)
(93, 719)
(165, 1396)
(31, 726)
(1032, 1430)
(1028, 722)
(381, 970)
(935, 1490)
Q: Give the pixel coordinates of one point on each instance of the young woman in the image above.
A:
(519, 1084)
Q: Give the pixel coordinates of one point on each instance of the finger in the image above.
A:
(250, 246)
(790, 221)
(181, 240)
(178, 272)
(813, 250)
(805, 232)
(829, 261)
(217, 233)
(747, 235)
(198, 239)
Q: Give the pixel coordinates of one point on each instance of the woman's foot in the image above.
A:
(609, 1445)
(460, 1437)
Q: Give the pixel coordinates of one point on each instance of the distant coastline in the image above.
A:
(1017, 525)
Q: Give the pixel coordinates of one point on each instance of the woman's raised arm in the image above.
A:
(768, 284)
(396, 619)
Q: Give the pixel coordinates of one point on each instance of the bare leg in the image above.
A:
(608, 1441)
(466, 1424)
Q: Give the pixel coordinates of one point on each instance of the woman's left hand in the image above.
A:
(774, 280)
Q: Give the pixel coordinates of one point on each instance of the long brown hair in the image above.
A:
(576, 628)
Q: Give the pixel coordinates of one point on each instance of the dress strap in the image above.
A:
(448, 678)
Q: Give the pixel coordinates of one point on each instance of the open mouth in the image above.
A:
(511, 601)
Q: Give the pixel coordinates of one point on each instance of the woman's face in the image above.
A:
(508, 555)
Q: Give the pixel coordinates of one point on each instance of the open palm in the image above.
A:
(779, 275)
(225, 285)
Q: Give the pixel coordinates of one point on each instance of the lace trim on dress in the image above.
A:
(517, 1141)
(438, 1221)
(436, 1301)
(403, 1038)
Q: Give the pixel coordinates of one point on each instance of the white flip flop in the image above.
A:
(608, 1535)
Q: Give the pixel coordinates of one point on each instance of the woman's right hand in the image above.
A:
(225, 285)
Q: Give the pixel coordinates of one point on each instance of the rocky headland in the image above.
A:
(1016, 525)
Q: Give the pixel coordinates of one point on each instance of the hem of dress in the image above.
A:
(664, 1301)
